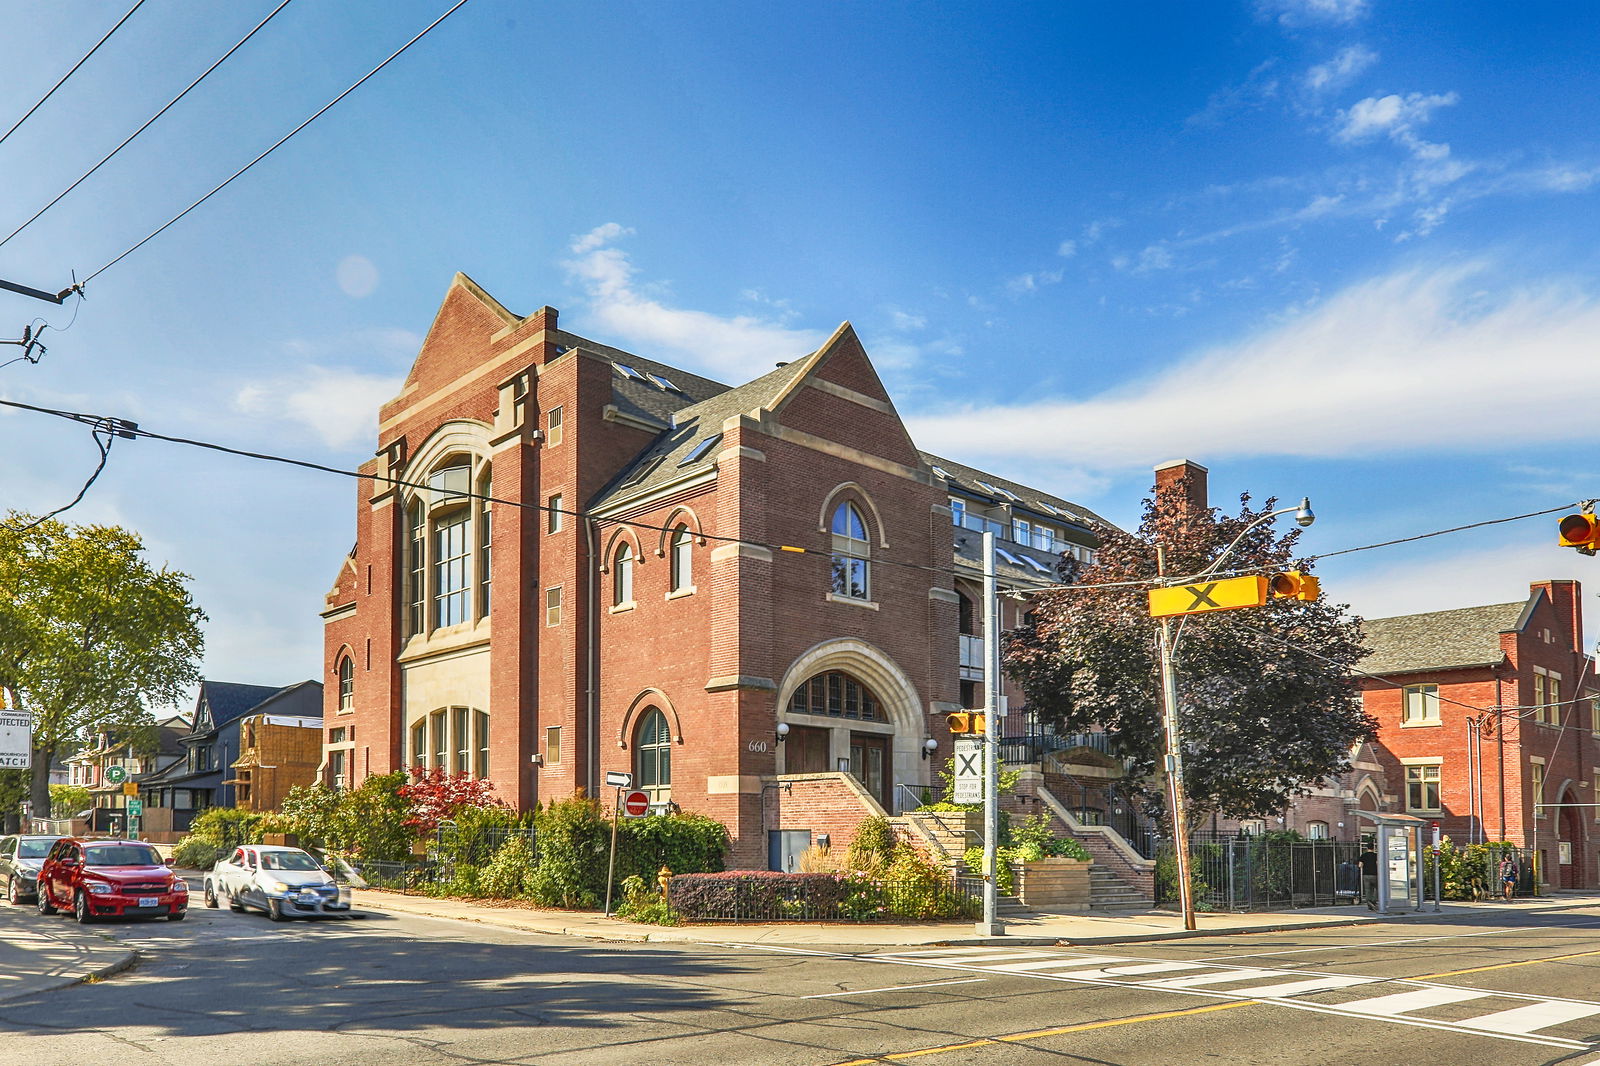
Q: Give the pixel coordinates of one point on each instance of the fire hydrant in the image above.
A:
(664, 879)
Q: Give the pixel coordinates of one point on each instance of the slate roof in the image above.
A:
(1440, 640)
(229, 700)
(646, 399)
(1075, 517)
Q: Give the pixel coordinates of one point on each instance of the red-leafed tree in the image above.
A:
(435, 796)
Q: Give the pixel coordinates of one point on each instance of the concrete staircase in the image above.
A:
(1107, 891)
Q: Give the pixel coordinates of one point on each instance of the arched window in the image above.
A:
(838, 695)
(416, 566)
(448, 536)
(347, 684)
(682, 559)
(485, 544)
(622, 575)
(652, 756)
(850, 553)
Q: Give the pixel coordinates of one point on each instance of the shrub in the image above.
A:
(509, 874)
(917, 887)
(873, 846)
(369, 820)
(573, 840)
(436, 795)
(216, 832)
(757, 894)
(683, 843)
(642, 902)
(477, 833)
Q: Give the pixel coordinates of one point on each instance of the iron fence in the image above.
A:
(1109, 804)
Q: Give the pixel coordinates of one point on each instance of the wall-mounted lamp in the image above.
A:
(929, 746)
(783, 732)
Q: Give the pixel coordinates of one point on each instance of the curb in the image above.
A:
(129, 959)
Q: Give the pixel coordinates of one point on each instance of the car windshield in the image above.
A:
(36, 849)
(288, 860)
(121, 855)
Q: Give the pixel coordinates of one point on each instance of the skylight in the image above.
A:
(1036, 564)
(1007, 556)
(664, 383)
(995, 490)
(700, 450)
(942, 472)
(628, 371)
(644, 471)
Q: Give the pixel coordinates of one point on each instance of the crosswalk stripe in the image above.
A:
(1315, 984)
(1002, 957)
(1154, 967)
(1402, 1002)
(1533, 1016)
(1059, 962)
(934, 953)
(1210, 978)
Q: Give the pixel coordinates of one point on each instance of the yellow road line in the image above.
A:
(1497, 966)
(1014, 1038)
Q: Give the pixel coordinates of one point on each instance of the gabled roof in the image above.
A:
(693, 424)
(228, 700)
(1441, 640)
(968, 481)
(647, 399)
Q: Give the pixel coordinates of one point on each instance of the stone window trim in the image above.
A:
(344, 670)
(682, 515)
(455, 444)
(834, 597)
(854, 493)
(650, 697)
(454, 736)
(609, 554)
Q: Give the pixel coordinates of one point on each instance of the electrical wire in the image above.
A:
(71, 72)
(1442, 532)
(103, 438)
(148, 123)
(281, 141)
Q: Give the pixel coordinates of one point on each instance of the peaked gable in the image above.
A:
(838, 396)
(467, 319)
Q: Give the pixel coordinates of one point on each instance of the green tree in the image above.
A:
(90, 634)
(1269, 705)
(68, 800)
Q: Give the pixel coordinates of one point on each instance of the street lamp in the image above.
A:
(1169, 699)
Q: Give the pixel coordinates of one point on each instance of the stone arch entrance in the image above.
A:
(884, 749)
(1570, 843)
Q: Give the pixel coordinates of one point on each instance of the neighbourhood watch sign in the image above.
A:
(16, 740)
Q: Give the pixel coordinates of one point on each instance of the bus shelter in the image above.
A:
(1399, 847)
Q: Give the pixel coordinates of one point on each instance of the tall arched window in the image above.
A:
(682, 558)
(850, 553)
(622, 575)
(347, 684)
(448, 540)
(485, 544)
(416, 566)
(652, 756)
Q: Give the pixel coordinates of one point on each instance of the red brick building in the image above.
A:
(631, 597)
(1484, 712)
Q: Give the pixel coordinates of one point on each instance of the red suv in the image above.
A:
(110, 878)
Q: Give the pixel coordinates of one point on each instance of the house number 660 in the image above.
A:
(758, 745)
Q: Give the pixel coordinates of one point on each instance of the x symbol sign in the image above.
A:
(1202, 596)
(969, 765)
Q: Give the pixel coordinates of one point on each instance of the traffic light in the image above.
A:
(1581, 531)
(967, 721)
(1293, 585)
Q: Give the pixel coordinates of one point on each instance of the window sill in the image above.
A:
(345, 710)
(834, 597)
(681, 593)
(1424, 812)
(1425, 724)
(623, 608)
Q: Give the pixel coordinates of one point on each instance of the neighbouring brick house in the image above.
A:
(1485, 711)
(649, 611)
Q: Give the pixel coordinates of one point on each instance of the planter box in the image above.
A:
(1055, 883)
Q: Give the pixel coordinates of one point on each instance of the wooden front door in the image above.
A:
(869, 761)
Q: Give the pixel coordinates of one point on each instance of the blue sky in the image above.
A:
(1343, 248)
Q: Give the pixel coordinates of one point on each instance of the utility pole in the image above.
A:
(1176, 801)
(995, 708)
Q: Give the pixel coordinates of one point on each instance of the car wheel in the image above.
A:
(13, 893)
(234, 904)
(177, 916)
(43, 902)
(80, 908)
(275, 909)
(211, 895)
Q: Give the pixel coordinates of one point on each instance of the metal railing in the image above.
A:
(1109, 804)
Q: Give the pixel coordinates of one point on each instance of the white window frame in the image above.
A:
(1422, 693)
(1437, 781)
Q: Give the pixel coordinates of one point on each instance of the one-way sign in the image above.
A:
(969, 770)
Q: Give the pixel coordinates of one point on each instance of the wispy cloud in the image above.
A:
(736, 347)
(1388, 364)
(1396, 117)
(336, 404)
(1309, 12)
(1258, 88)
(1349, 64)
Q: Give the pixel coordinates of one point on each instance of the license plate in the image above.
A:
(149, 901)
(308, 897)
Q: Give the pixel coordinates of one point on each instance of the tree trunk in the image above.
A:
(39, 784)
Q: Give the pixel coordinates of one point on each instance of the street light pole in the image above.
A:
(994, 708)
(1171, 730)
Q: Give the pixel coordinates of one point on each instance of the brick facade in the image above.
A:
(573, 660)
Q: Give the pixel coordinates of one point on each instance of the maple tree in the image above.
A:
(435, 796)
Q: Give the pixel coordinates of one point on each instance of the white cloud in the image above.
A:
(1067, 249)
(1412, 360)
(1349, 64)
(1023, 284)
(1394, 115)
(338, 405)
(1305, 12)
(736, 347)
(905, 322)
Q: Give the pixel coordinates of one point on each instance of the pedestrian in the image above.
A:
(1509, 875)
(1369, 877)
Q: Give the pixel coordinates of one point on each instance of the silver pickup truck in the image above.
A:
(284, 882)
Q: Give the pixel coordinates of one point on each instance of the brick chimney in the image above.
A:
(1566, 597)
(1185, 476)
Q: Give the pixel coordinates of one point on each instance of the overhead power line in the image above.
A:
(71, 72)
(280, 142)
(148, 123)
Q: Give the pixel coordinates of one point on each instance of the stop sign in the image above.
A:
(636, 803)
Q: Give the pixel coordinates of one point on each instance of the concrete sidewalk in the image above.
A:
(39, 953)
(1035, 928)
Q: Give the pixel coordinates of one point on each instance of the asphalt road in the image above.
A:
(236, 989)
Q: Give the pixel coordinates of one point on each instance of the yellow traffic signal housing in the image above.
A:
(1581, 531)
(967, 721)
(1292, 584)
